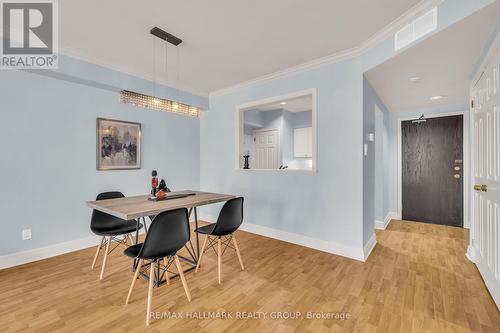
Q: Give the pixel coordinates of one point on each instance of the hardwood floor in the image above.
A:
(417, 279)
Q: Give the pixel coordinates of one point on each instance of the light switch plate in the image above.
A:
(26, 234)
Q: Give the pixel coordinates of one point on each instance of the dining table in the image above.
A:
(140, 207)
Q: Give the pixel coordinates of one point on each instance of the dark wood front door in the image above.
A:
(433, 170)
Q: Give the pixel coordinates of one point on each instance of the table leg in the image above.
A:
(197, 237)
(137, 230)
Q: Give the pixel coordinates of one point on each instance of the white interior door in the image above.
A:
(302, 142)
(266, 149)
(485, 233)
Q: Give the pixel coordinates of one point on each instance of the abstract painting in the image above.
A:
(118, 145)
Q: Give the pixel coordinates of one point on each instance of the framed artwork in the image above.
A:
(118, 145)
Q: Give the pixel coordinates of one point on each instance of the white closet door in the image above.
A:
(486, 174)
(302, 142)
(266, 149)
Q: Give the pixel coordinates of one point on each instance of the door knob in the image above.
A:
(482, 188)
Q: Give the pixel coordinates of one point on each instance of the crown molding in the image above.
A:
(378, 37)
(79, 55)
(394, 26)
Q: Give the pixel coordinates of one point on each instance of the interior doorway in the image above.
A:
(432, 170)
(266, 149)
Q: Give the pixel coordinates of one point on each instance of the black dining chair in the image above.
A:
(229, 220)
(111, 228)
(168, 233)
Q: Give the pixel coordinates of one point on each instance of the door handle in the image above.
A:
(482, 188)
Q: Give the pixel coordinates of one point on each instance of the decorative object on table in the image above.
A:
(160, 195)
(163, 186)
(154, 183)
(118, 144)
(247, 165)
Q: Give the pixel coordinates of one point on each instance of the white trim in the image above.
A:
(489, 280)
(72, 53)
(44, 252)
(313, 243)
(238, 122)
(369, 246)
(382, 225)
(378, 37)
(487, 58)
(372, 41)
(471, 253)
(24, 257)
(465, 162)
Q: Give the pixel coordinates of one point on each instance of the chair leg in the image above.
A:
(183, 279)
(201, 253)
(219, 257)
(150, 291)
(238, 252)
(97, 253)
(136, 275)
(129, 237)
(105, 258)
(166, 272)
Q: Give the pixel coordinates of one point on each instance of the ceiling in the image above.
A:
(298, 104)
(225, 42)
(443, 62)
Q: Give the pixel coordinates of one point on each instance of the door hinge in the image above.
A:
(472, 104)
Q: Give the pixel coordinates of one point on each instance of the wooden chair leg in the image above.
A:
(201, 253)
(150, 291)
(166, 272)
(219, 257)
(136, 275)
(97, 253)
(183, 279)
(105, 258)
(238, 252)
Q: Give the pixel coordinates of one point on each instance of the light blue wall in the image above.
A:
(57, 110)
(331, 205)
(48, 160)
(302, 119)
(326, 205)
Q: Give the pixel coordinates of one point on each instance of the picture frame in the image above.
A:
(118, 144)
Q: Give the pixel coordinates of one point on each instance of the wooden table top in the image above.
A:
(129, 208)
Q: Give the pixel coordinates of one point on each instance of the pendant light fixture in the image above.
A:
(157, 103)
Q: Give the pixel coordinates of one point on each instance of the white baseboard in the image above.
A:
(369, 246)
(44, 252)
(489, 279)
(471, 253)
(382, 225)
(24, 257)
(313, 243)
